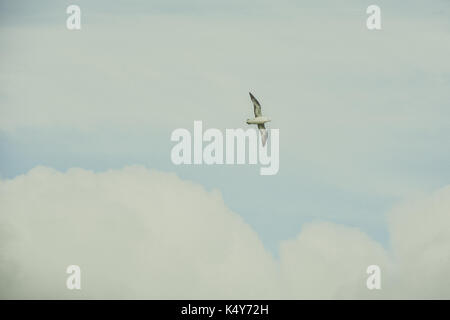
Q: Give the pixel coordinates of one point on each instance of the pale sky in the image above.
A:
(363, 115)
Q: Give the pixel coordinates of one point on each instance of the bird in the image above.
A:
(259, 119)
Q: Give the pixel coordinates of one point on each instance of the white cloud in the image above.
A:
(420, 236)
(133, 232)
(328, 260)
(144, 234)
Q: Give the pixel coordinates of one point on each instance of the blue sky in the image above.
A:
(364, 116)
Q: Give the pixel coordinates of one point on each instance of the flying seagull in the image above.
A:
(259, 119)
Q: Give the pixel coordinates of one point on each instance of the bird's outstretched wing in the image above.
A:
(256, 106)
(264, 134)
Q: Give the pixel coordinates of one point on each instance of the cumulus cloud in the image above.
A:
(139, 233)
(420, 237)
(328, 260)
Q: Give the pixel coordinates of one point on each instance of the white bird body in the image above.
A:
(259, 119)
